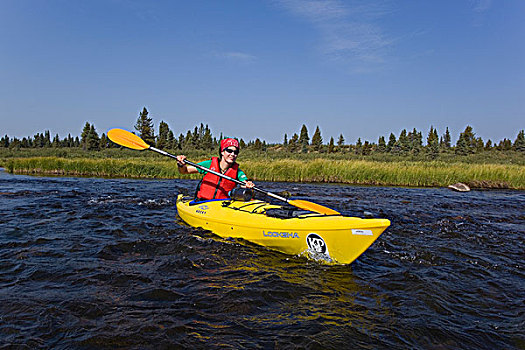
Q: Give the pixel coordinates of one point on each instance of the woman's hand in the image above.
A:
(180, 160)
(249, 184)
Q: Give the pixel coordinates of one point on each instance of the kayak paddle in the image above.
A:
(130, 140)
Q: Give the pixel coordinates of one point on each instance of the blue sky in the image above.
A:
(263, 68)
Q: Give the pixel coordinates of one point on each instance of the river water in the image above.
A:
(105, 263)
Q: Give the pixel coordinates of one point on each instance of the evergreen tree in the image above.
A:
(144, 127)
(56, 141)
(207, 140)
(415, 141)
(47, 139)
(447, 141)
(195, 138)
(519, 143)
(14, 143)
(103, 142)
(488, 145)
(293, 144)
(188, 140)
(391, 142)
(162, 137)
(331, 145)
(4, 142)
(285, 141)
(341, 143)
(172, 142)
(466, 143)
(93, 140)
(359, 146)
(480, 145)
(402, 145)
(181, 143)
(367, 148)
(258, 146)
(317, 140)
(381, 145)
(84, 136)
(304, 139)
(432, 143)
(242, 144)
(505, 145)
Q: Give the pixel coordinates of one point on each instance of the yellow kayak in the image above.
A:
(331, 238)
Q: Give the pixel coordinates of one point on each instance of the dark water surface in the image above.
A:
(96, 263)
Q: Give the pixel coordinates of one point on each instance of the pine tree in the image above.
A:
(391, 142)
(317, 140)
(195, 138)
(367, 148)
(432, 143)
(519, 144)
(416, 141)
(402, 145)
(447, 141)
(84, 136)
(172, 142)
(162, 138)
(505, 145)
(359, 146)
(56, 141)
(181, 144)
(293, 144)
(331, 145)
(188, 140)
(47, 139)
(4, 142)
(144, 127)
(381, 145)
(285, 141)
(93, 140)
(340, 143)
(304, 139)
(466, 143)
(103, 141)
(258, 146)
(207, 140)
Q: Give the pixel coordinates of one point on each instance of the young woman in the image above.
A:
(213, 186)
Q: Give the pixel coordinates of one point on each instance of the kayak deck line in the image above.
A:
(339, 239)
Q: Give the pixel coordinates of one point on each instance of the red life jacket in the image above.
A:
(216, 187)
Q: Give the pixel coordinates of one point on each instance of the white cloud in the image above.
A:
(481, 5)
(237, 56)
(349, 29)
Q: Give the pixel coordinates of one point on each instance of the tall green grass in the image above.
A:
(398, 173)
(421, 174)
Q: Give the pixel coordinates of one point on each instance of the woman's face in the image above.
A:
(229, 154)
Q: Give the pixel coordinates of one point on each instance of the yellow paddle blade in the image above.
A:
(313, 207)
(127, 139)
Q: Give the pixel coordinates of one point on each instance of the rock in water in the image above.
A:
(460, 187)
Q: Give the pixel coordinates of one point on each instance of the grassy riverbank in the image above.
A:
(353, 171)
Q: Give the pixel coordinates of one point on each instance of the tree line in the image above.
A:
(407, 143)
(201, 138)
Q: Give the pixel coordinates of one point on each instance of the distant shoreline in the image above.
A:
(353, 172)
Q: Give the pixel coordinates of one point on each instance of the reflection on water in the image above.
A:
(89, 263)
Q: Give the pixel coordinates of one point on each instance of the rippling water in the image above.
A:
(98, 263)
